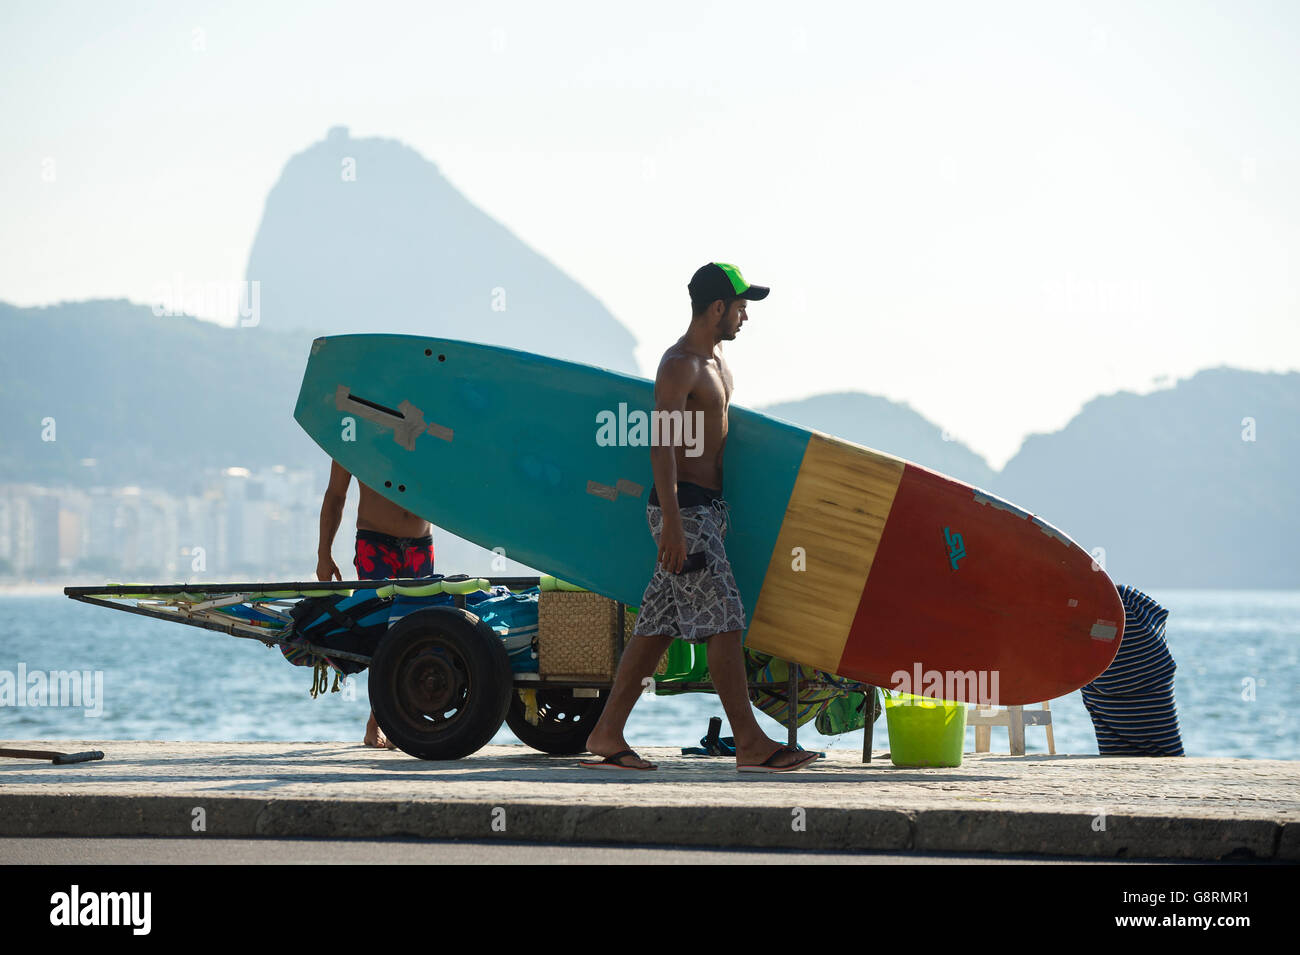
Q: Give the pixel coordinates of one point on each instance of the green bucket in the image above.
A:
(681, 661)
(924, 731)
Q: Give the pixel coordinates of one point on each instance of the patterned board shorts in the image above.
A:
(694, 605)
(382, 556)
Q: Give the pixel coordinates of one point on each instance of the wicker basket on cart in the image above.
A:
(579, 636)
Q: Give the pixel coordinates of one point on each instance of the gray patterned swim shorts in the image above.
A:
(696, 604)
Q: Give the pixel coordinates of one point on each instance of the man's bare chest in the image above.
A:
(712, 389)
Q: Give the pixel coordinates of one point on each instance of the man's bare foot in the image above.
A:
(605, 748)
(375, 736)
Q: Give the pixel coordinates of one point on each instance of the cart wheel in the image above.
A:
(440, 683)
(564, 721)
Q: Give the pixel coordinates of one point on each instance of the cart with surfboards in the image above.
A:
(849, 561)
(441, 678)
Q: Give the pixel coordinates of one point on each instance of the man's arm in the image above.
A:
(331, 515)
(673, 383)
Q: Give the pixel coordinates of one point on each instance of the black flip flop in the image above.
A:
(612, 762)
(766, 765)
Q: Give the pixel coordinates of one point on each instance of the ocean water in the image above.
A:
(1237, 687)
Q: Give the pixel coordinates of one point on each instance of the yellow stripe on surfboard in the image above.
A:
(836, 516)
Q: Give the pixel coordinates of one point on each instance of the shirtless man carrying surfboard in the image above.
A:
(693, 594)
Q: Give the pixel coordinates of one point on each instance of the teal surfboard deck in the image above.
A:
(512, 459)
(847, 559)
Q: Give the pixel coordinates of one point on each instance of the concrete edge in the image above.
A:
(757, 827)
(1118, 836)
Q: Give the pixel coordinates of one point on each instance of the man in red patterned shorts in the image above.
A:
(391, 542)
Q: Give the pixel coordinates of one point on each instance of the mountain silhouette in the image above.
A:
(1190, 486)
(366, 235)
(884, 425)
(151, 401)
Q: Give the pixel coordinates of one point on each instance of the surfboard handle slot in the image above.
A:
(406, 420)
(374, 404)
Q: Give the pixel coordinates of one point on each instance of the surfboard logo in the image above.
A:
(956, 547)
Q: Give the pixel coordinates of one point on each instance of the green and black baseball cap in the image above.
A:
(718, 280)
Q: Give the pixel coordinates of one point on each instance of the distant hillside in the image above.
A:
(366, 235)
(156, 399)
(1164, 482)
(1167, 485)
(152, 400)
(886, 426)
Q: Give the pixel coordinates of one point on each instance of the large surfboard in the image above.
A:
(848, 559)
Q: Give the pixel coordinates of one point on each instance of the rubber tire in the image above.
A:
(433, 661)
(559, 738)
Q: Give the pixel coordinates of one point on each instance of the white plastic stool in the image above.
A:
(1015, 719)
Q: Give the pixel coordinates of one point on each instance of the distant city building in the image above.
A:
(250, 524)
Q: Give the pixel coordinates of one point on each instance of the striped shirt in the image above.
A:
(1132, 703)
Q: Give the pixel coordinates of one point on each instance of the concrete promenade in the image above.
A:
(1086, 806)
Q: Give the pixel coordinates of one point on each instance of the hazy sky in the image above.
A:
(990, 211)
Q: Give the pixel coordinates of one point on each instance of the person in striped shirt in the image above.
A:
(1132, 702)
